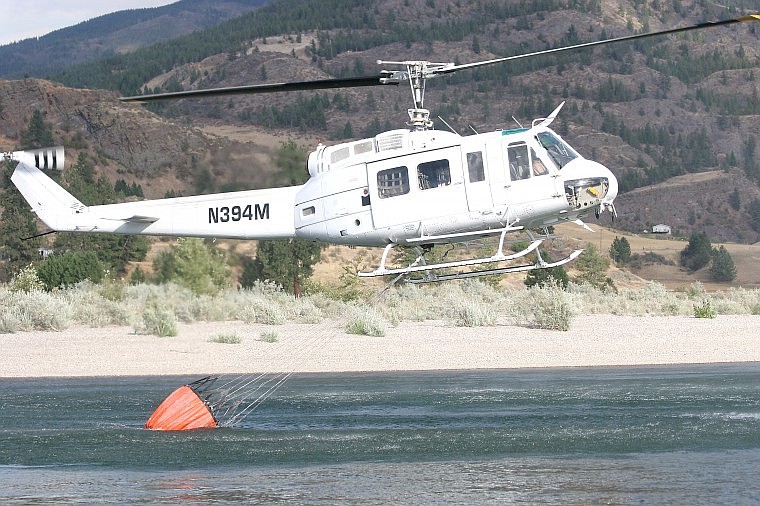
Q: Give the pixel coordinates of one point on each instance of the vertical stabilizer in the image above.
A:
(51, 202)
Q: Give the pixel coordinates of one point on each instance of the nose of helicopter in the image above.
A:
(589, 184)
(599, 170)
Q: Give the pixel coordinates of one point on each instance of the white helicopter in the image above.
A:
(413, 187)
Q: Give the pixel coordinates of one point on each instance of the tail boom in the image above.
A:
(252, 214)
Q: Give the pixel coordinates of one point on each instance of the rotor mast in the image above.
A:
(417, 73)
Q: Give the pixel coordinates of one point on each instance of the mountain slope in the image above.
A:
(115, 33)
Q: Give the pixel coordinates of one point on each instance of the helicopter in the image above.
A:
(415, 187)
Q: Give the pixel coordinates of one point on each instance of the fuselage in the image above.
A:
(430, 186)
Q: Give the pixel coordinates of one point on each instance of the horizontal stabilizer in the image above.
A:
(137, 218)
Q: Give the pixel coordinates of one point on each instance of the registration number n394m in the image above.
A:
(223, 214)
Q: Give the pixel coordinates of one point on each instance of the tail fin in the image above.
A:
(45, 196)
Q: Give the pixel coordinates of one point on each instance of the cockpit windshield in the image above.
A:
(559, 152)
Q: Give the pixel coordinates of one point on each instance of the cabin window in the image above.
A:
(363, 147)
(434, 174)
(339, 155)
(559, 152)
(475, 167)
(539, 169)
(393, 182)
(519, 163)
(308, 211)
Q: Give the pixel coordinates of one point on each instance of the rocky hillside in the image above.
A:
(679, 107)
(127, 141)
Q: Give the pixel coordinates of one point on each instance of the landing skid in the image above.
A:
(433, 278)
(419, 265)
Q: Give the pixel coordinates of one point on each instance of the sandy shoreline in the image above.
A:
(596, 340)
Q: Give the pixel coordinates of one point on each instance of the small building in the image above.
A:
(661, 229)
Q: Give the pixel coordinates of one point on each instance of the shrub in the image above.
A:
(226, 339)
(194, 265)
(269, 336)
(705, 310)
(473, 313)
(69, 269)
(158, 320)
(26, 281)
(551, 308)
(367, 323)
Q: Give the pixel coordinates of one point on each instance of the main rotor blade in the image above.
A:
(700, 26)
(324, 84)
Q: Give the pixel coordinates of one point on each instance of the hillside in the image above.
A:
(676, 119)
(651, 111)
(130, 142)
(115, 33)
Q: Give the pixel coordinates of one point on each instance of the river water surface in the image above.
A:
(676, 435)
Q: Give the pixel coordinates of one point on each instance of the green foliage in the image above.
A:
(592, 267)
(704, 311)
(697, 253)
(620, 250)
(113, 250)
(269, 336)
(722, 268)
(158, 320)
(226, 339)
(26, 281)
(549, 276)
(195, 265)
(366, 323)
(551, 308)
(754, 214)
(286, 262)
(69, 269)
(38, 134)
(291, 162)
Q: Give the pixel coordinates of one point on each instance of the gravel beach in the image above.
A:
(594, 340)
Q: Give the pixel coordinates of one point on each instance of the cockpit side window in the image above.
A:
(560, 153)
(519, 163)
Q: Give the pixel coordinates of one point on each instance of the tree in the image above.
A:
(290, 262)
(38, 134)
(545, 277)
(287, 263)
(194, 264)
(620, 251)
(17, 222)
(722, 268)
(697, 253)
(69, 269)
(592, 267)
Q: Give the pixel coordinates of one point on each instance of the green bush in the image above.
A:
(226, 339)
(69, 269)
(367, 323)
(26, 281)
(195, 265)
(705, 310)
(269, 336)
(158, 320)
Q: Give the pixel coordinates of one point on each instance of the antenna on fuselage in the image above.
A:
(450, 127)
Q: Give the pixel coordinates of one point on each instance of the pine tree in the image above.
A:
(592, 266)
(723, 268)
(38, 134)
(697, 253)
(620, 251)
